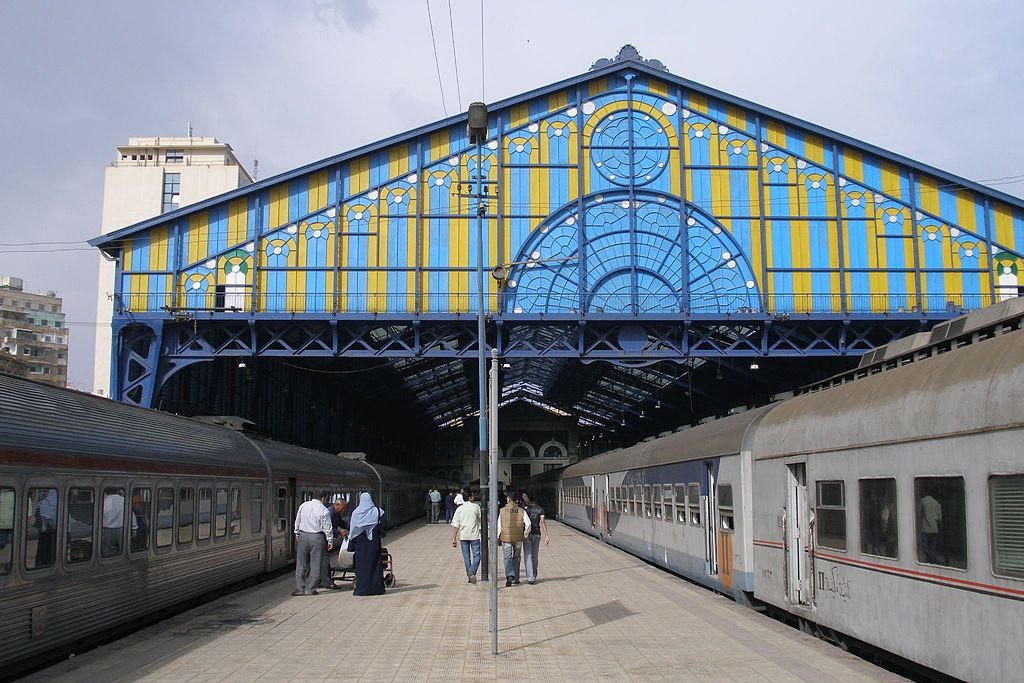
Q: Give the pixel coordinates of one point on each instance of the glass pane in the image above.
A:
(1007, 494)
(941, 521)
(257, 509)
(164, 517)
(831, 526)
(41, 533)
(205, 508)
(186, 508)
(81, 513)
(831, 493)
(878, 527)
(236, 511)
(142, 516)
(112, 531)
(221, 513)
(693, 501)
(6, 530)
(725, 495)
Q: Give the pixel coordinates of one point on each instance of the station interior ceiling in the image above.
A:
(403, 411)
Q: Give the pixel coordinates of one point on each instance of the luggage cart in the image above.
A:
(387, 565)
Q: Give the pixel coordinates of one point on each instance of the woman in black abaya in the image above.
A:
(364, 531)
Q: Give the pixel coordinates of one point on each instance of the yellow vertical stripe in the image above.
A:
(853, 167)
(891, 180)
(358, 175)
(238, 218)
(439, 145)
(1003, 225)
(775, 133)
(673, 171)
(519, 115)
(736, 118)
(657, 87)
(158, 248)
(198, 236)
(814, 149)
(317, 194)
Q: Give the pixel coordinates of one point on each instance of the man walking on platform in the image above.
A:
(312, 528)
(513, 527)
(467, 529)
(531, 546)
(435, 505)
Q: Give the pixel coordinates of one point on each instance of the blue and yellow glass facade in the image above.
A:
(626, 191)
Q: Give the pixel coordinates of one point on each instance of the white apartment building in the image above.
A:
(33, 333)
(152, 176)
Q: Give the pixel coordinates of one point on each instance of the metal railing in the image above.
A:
(527, 303)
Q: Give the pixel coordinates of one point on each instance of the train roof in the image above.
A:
(709, 440)
(288, 459)
(965, 390)
(39, 422)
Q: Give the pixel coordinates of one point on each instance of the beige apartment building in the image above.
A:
(33, 336)
(153, 176)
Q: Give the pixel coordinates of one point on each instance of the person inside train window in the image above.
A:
(364, 532)
(80, 523)
(941, 521)
(112, 531)
(6, 529)
(878, 517)
(41, 539)
(142, 511)
(235, 527)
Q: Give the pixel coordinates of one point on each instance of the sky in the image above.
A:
(289, 82)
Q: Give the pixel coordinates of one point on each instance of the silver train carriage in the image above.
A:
(888, 510)
(110, 512)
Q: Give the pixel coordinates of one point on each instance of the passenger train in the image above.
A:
(883, 511)
(110, 512)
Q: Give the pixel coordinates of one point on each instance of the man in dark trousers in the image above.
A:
(538, 532)
(449, 507)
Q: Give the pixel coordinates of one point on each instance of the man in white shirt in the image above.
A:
(459, 499)
(466, 523)
(112, 532)
(312, 527)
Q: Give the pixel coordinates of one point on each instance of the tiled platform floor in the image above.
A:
(597, 613)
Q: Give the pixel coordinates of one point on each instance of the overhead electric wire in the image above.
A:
(437, 62)
(455, 56)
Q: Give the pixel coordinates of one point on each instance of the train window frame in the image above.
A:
(825, 510)
(963, 527)
(726, 511)
(281, 510)
(30, 515)
(144, 529)
(891, 523)
(220, 519)
(156, 527)
(199, 513)
(679, 513)
(9, 494)
(105, 492)
(693, 507)
(1015, 575)
(256, 508)
(667, 503)
(183, 489)
(235, 506)
(90, 538)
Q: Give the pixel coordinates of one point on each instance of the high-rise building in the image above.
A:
(152, 176)
(33, 333)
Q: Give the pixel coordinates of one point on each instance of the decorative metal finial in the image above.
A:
(628, 53)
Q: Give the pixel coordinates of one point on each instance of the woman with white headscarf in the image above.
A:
(364, 532)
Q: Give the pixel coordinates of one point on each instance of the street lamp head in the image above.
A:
(499, 272)
(476, 122)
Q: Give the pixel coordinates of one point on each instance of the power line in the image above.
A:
(437, 62)
(483, 70)
(46, 251)
(32, 244)
(455, 56)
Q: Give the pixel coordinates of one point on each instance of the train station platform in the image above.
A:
(596, 613)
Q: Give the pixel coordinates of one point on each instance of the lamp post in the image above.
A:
(476, 129)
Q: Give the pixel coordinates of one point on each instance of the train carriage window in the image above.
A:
(666, 502)
(186, 514)
(1006, 498)
(830, 514)
(257, 509)
(693, 503)
(941, 521)
(725, 508)
(205, 510)
(7, 508)
(236, 511)
(112, 529)
(164, 517)
(878, 527)
(80, 525)
(282, 509)
(680, 503)
(142, 514)
(220, 514)
(41, 528)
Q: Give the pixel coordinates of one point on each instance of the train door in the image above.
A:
(291, 506)
(797, 524)
(711, 522)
